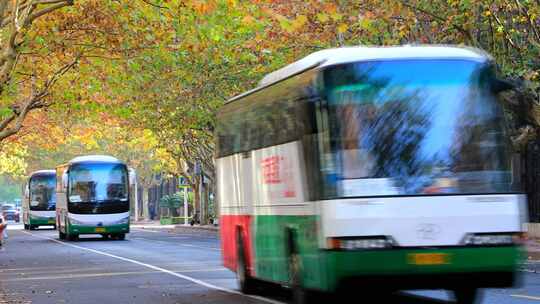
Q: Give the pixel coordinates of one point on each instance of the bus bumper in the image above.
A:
(112, 229)
(42, 221)
(444, 268)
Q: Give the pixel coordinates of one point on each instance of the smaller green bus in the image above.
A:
(93, 197)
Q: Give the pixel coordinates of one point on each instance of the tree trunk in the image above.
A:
(146, 211)
(196, 196)
(205, 200)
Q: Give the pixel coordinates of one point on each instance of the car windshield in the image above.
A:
(414, 127)
(8, 208)
(97, 182)
(42, 193)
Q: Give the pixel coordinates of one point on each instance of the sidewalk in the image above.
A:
(533, 249)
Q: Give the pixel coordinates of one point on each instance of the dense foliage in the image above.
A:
(142, 79)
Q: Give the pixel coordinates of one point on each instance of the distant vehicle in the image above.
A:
(92, 197)
(3, 225)
(39, 203)
(374, 169)
(10, 213)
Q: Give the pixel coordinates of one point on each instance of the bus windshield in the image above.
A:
(42, 193)
(98, 183)
(414, 127)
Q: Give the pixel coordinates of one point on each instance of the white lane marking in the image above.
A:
(145, 230)
(525, 297)
(187, 278)
(202, 247)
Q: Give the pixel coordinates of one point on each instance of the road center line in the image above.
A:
(187, 278)
(97, 275)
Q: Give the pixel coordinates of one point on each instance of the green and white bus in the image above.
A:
(92, 197)
(371, 168)
(39, 203)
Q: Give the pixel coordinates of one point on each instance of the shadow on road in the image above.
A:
(94, 239)
(278, 293)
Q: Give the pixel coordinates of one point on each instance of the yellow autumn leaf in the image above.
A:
(299, 22)
(323, 18)
(342, 28)
(248, 20)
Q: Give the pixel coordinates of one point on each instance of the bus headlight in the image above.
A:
(122, 221)
(491, 239)
(74, 221)
(360, 243)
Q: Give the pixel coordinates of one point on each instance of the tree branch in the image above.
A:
(34, 102)
(439, 18)
(47, 10)
(154, 5)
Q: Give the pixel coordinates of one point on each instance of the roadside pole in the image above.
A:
(133, 183)
(136, 202)
(185, 205)
(202, 214)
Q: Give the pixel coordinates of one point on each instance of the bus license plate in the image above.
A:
(429, 258)
(52, 221)
(100, 229)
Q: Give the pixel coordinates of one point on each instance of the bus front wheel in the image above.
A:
(61, 235)
(72, 237)
(467, 295)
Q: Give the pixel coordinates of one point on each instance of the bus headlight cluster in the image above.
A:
(360, 243)
(121, 221)
(485, 239)
(74, 221)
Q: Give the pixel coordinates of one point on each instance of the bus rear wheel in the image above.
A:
(246, 283)
(467, 295)
(300, 294)
(118, 236)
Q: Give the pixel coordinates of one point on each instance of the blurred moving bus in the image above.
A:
(92, 197)
(39, 203)
(373, 168)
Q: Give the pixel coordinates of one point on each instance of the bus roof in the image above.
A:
(95, 159)
(343, 55)
(44, 172)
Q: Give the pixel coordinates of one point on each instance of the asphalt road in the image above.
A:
(155, 266)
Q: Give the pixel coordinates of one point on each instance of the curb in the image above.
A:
(177, 226)
(211, 228)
